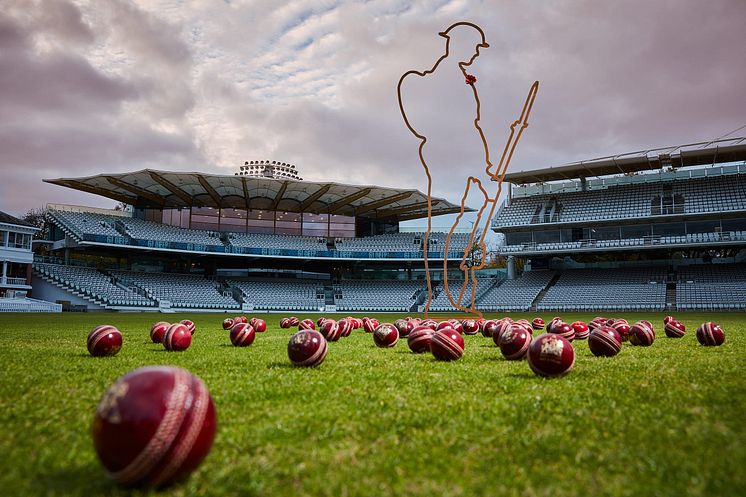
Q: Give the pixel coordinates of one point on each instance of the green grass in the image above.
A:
(663, 420)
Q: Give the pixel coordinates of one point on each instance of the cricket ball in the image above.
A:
(285, 323)
(581, 330)
(430, 323)
(345, 327)
(306, 324)
(537, 324)
(259, 325)
(471, 327)
(177, 338)
(386, 335)
(674, 328)
(240, 319)
(514, 343)
(307, 348)
(293, 321)
(564, 329)
(710, 334)
(447, 344)
(404, 326)
(154, 426)
(190, 325)
(667, 319)
(158, 330)
(330, 330)
(488, 328)
(641, 333)
(526, 325)
(228, 323)
(369, 325)
(502, 326)
(419, 339)
(622, 327)
(605, 341)
(551, 355)
(242, 335)
(104, 340)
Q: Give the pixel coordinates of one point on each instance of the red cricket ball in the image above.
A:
(447, 344)
(386, 335)
(330, 330)
(622, 327)
(419, 339)
(242, 335)
(430, 323)
(259, 325)
(285, 323)
(293, 321)
(667, 319)
(551, 355)
(605, 341)
(104, 340)
(401, 326)
(563, 329)
(514, 343)
(190, 325)
(503, 325)
(674, 328)
(345, 327)
(240, 319)
(471, 327)
(488, 327)
(158, 330)
(526, 325)
(641, 333)
(306, 324)
(177, 338)
(319, 321)
(581, 330)
(307, 348)
(537, 324)
(710, 334)
(228, 323)
(154, 426)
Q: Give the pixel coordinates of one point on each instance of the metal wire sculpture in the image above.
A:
(496, 173)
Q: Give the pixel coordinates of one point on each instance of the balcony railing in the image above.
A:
(10, 281)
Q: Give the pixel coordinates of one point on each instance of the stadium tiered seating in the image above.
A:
(390, 295)
(87, 225)
(90, 282)
(403, 244)
(700, 195)
(607, 289)
(441, 303)
(181, 290)
(162, 234)
(712, 287)
(269, 241)
(517, 294)
(277, 294)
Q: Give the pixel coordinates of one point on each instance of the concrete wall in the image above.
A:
(52, 293)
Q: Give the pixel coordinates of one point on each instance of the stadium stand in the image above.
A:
(391, 295)
(627, 201)
(180, 290)
(25, 304)
(88, 282)
(162, 234)
(441, 303)
(517, 294)
(268, 241)
(87, 225)
(599, 289)
(711, 287)
(278, 294)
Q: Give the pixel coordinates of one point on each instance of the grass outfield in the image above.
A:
(663, 420)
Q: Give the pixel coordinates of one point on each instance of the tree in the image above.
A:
(37, 217)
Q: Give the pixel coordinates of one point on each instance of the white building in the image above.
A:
(15, 255)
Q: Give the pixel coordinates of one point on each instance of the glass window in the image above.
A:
(205, 211)
(635, 231)
(518, 238)
(549, 236)
(703, 226)
(669, 229)
(3, 238)
(734, 225)
(233, 213)
(605, 233)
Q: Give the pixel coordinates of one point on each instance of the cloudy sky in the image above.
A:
(118, 85)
